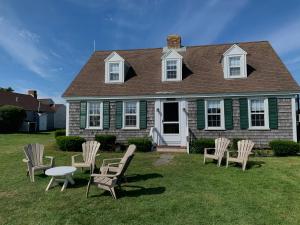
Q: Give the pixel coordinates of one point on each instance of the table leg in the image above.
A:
(70, 179)
(65, 184)
(51, 183)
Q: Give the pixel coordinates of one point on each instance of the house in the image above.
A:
(40, 114)
(177, 93)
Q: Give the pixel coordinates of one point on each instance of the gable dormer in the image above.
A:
(235, 63)
(171, 66)
(114, 69)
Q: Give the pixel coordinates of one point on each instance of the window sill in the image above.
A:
(93, 128)
(259, 128)
(212, 129)
(114, 82)
(130, 128)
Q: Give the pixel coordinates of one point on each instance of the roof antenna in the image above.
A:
(94, 45)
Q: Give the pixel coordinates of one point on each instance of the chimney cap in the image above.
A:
(174, 41)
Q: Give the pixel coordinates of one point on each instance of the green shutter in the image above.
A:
(106, 117)
(228, 114)
(200, 114)
(244, 113)
(273, 113)
(143, 114)
(82, 115)
(119, 115)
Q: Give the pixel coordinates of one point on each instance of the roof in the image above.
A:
(26, 102)
(202, 73)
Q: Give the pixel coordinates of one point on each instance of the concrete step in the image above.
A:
(171, 149)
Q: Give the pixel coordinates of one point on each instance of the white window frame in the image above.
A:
(137, 115)
(229, 66)
(88, 116)
(222, 127)
(266, 114)
(235, 51)
(170, 56)
(114, 58)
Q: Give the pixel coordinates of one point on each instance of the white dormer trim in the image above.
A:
(171, 55)
(114, 57)
(235, 52)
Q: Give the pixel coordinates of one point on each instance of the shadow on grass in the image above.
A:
(143, 177)
(136, 192)
(250, 164)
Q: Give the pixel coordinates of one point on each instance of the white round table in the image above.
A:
(60, 174)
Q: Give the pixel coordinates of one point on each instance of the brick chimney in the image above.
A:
(33, 93)
(174, 41)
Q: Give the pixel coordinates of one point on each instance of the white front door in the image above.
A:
(171, 122)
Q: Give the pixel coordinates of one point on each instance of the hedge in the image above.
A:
(58, 133)
(143, 144)
(70, 143)
(198, 145)
(284, 147)
(107, 141)
(11, 118)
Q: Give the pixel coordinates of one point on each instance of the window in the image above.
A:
(214, 114)
(235, 66)
(131, 115)
(114, 71)
(258, 113)
(171, 69)
(94, 116)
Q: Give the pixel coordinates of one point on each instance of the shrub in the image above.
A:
(198, 145)
(107, 141)
(143, 144)
(234, 145)
(59, 133)
(11, 118)
(70, 143)
(284, 147)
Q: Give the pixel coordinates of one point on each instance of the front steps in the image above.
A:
(177, 149)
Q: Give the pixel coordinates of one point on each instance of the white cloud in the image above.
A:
(23, 46)
(286, 38)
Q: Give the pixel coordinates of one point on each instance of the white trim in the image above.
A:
(137, 127)
(172, 55)
(67, 118)
(114, 58)
(266, 114)
(180, 96)
(88, 127)
(293, 102)
(222, 127)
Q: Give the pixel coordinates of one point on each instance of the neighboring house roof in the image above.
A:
(47, 101)
(27, 102)
(202, 73)
(55, 107)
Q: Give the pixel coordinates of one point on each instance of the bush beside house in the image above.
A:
(11, 118)
(198, 145)
(284, 147)
(70, 143)
(107, 141)
(58, 133)
(143, 144)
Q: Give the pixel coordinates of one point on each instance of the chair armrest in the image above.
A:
(51, 160)
(205, 149)
(103, 175)
(112, 164)
(106, 161)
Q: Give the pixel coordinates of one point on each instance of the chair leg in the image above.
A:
(32, 175)
(219, 162)
(204, 159)
(226, 163)
(88, 188)
(112, 191)
(244, 166)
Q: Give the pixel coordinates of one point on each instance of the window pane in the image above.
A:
(171, 74)
(94, 121)
(171, 69)
(235, 71)
(130, 121)
(171, 128)
(257, 105)
(258, 120)
(94, 108)
(214, 113)
(114, 71)
(257, 113)
(214, 120)
(130, 107)
(235, 61)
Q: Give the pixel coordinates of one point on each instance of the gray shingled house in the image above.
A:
(177, 93)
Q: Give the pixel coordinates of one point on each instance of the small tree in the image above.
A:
(9, 89)
(11, 118)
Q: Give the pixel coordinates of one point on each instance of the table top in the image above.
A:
(60, 171)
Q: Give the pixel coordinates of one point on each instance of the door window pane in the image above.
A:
(171, 112)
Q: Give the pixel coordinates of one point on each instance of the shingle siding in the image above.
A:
(122, 135)
(260, 137)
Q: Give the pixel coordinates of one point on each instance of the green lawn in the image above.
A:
(182, 192)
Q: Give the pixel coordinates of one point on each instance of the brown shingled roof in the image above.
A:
(202, 73)
(26, 102)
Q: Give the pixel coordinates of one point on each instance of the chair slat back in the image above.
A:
(221, 145)
(124, 163)
(89, 151)
(130, 151)
(244, 148)
(34, 153)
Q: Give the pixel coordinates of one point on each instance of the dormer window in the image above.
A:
(171, 66)
(115, 68)
(234, 63)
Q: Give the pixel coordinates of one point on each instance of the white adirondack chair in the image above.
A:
(34, 154)
(111, 176)
(244, 150)
(221, 145)
(89, 154)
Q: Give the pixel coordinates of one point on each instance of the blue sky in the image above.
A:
(44, 44)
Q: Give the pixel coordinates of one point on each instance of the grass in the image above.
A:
(182, 192)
